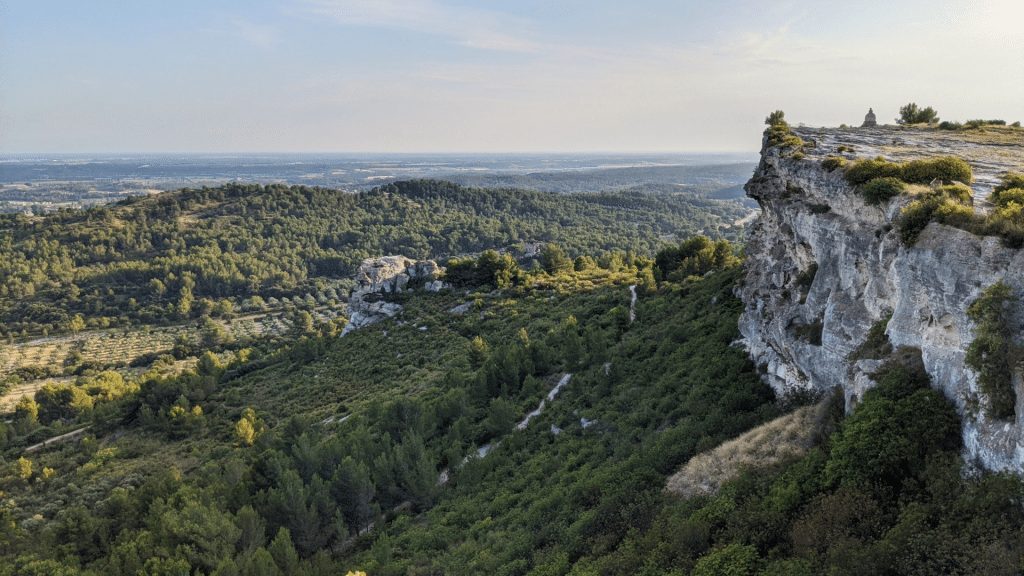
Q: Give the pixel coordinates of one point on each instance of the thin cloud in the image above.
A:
(247, 31)
(470, 27)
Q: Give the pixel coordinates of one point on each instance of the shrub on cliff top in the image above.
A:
(867, 169)
(779, 133)
(945, 168)
(1010, 180)
(946, 204)
(1004, 198)
(970, 124)
(1007, 221)
(913, 114)
(833, 162)
(951, 205)
(924, 171)
(882, 190)
(775, 118)
(957, 191)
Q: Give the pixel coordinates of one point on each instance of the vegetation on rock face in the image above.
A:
(810, 332)
(805, 279)
(876, 345)
(993, 354)
(913, 114)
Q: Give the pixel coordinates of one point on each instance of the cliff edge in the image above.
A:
(824, 266)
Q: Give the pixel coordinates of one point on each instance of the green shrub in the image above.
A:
(779, 133)
(876, 345)
(1007, 222)
(945, 168)
(1004, 198)
(833, 162)
(881, 190)
(946, 125)
(881, 180)
(862, 171)
(956, 191)
(979, 123)
(1010, 180)
(912, 114)
(991, 354)
(914, 218)
(896, 427)
(844, 148)
(776, 118)
(730, 560)
(934, 208)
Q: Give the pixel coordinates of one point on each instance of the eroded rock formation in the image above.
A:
(377, 277)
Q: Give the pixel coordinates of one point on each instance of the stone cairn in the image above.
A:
(869, 119)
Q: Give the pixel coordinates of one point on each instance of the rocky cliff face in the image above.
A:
(377, 277)
(823, 267)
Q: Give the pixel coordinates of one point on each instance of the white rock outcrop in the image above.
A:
(823, 267)
(377, 277)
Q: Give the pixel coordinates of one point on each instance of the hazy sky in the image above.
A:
(515, 75)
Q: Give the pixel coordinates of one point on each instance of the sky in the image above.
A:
(391, 76)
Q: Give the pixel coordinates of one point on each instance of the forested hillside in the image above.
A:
(522, 422)
(185, 254)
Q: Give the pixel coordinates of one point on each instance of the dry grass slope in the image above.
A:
(782, 439)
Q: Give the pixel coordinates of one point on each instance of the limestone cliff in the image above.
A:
(378, 277)
(823, 267)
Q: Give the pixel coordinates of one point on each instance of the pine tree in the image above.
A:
(283, 551)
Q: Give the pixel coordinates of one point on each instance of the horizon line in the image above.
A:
(381, 153)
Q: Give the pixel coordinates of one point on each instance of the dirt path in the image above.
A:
(56, 440)
(632, 303)
(540, 407)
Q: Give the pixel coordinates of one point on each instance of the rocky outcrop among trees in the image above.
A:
(377, 277)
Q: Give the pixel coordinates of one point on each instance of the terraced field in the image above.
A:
(121, 347)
